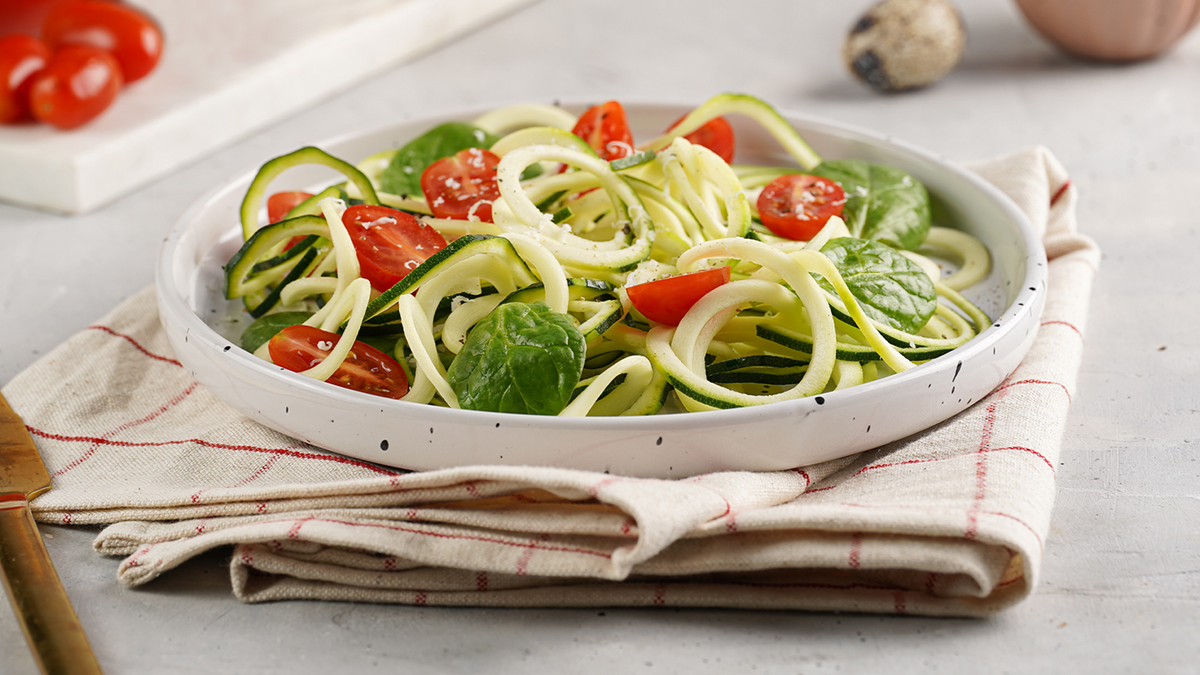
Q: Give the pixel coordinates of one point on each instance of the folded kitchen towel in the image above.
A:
(951, 521)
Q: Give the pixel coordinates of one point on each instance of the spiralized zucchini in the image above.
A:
(579, 233)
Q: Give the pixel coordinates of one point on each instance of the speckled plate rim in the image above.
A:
(772, 437)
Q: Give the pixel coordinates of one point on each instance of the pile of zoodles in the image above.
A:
(535, 261)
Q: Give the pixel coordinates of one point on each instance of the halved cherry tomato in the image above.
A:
(21, 58)
(666, 300)
(798, 205)
(78, 84)
(605, 128)
(132, 36)
(715, 134)
(389, 243)
(462, 185)
(281, 203)
(365, 369)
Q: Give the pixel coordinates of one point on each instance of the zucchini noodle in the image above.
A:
(546, 266)
(973, 259)
(516, 212)
(523, 115)
(460, 321)
(344, 258)
(680, 351)
(760, 112)
(351, 303)
(578, 232)
(709, 187)
(430, 373)
(637, 372)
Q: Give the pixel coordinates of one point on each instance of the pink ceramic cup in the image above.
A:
(1112, 30)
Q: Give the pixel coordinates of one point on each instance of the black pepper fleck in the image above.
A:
(383, 445)
(820, 400)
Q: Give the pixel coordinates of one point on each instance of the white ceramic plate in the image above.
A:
(203, 328)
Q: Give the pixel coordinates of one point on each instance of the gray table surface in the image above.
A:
(1120, 588)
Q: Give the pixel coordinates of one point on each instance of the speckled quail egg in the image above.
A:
(905, 44)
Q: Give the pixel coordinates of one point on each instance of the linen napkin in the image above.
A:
(951, 521)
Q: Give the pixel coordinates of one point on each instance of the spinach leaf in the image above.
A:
(882, 202)
(891, 289)
(403, 175)
(521, 358)
(264, 328)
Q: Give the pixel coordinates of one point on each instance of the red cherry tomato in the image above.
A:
(78, 83)
(605, 128)
(21, 58)
(797, 205)
(132, 36)
(281, 203)
(715, 134)
(23, 16)
(389, 243)
(453, 186)
(365, 369)
(667, 300)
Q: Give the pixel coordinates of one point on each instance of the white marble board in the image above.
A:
(230, 68)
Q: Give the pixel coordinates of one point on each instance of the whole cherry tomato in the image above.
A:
(21, 58)
(462, 185)
(668, 299)
(23, 16)
(78, 84)
(365, 369)
(131, 35)
(797, 205)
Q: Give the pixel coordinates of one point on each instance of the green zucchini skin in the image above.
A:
(260, 248)
(257, 192)
(591, 290)
(459, 249)
(258, 264)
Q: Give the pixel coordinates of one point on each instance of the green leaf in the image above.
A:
(882, 202)
(521, 358)
(263, 329)
(891, 289)
(403, 175)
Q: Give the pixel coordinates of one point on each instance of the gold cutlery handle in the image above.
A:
(42, 606)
